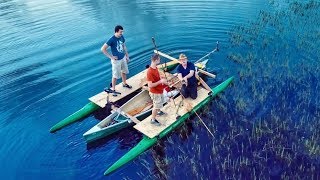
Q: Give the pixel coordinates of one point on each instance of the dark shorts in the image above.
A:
(189, 91)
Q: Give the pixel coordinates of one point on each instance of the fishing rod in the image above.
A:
(214, 50)
(165, 60)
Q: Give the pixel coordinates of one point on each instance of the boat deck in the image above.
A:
(136, 81)
(152, 130)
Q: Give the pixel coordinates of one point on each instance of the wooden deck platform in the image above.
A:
(136, 81)
(152, 130)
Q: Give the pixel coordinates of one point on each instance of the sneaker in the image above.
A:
(155, 122)
(160, 113)
(127, 86)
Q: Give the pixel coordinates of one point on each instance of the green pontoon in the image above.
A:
(154, 133)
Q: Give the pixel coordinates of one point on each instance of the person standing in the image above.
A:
(156, 85)
(119, 58)
(186, 73)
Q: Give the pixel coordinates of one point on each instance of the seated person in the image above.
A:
(186, 74)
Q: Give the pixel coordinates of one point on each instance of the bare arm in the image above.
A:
(180, 76)
(191, 73)
(105, 52)
(125, 49)
(151, 84)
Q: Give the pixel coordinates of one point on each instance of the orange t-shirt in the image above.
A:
(153, 75)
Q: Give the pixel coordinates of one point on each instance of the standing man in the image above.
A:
(186, 74)
(119, 58)
(156, 85)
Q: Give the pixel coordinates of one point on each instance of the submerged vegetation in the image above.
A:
(268, 125)
(275, 132)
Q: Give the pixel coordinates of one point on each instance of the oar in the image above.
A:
(166, 56)
(133, 119)
(139, 109)
(216, 49)
(203, 83)
(202, 121)
(207, 73)
(176, 60)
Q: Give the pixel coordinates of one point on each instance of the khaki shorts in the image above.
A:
(157, 99)
(118, 67)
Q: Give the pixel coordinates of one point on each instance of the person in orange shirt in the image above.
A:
(156, 85)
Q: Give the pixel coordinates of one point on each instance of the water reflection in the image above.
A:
(22, 88)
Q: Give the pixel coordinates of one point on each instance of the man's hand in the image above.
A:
(127, 58)
(185, 79)
(113, 58)
(163, 81)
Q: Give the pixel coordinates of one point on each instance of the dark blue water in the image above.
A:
(266, 125)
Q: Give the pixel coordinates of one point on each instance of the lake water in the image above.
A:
(266, 125)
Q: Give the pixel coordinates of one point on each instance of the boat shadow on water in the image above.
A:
(126, 139)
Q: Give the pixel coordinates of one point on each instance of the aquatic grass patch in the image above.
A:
(275, 122)
(265, 127)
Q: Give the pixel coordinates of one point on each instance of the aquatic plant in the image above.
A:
(283, 87)
(267, 126)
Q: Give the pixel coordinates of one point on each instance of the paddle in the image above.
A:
(203, 83)
(140, 109)
(216, 49)
(207, 73)
(202, 121)
(133, 119)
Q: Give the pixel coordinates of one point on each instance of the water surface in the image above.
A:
(50, 64)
